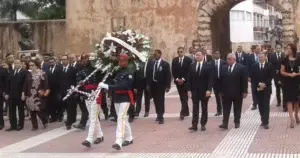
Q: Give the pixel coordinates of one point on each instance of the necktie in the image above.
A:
(15, 72)
(180, 61)
(145, 68)
(229, 70)
(154, 70)
(261, 66)
(198, 68)
(65, 69)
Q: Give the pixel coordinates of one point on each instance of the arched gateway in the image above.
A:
(213, 22)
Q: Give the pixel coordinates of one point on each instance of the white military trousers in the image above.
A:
(123, 131)
(94, 110)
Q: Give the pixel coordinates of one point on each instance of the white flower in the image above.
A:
(97, 45)
(131, 39)
(112, 47)
(107, 53)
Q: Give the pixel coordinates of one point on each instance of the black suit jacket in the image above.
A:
(265, 76)
(54, 79)
(276, 65)
(241, 60)
(140, 75)
(162, 75)
(215, 68)
(200, 82)
(3, 80)
(181, 71)
(68, 79)
(15, 84)
(207, 58)
(234, 84)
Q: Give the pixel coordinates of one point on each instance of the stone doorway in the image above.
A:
(214, 24)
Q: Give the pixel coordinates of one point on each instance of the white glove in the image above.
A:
(103, 85)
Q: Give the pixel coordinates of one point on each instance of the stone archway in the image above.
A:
(213, 35)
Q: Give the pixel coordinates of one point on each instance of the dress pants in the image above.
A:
(41, 114)
(217, 88)
(13, 104)
(264, 106)
(158, 95)
(204, 111)
(237, 108)
(1, 111)
(94, 122)
(84, 111)
(183, 99)
(70, 105)
(54, 105)
(123, 131)
(139, 97)
(254, 94)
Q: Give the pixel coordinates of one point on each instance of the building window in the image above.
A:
(237, 15)
(248, 16)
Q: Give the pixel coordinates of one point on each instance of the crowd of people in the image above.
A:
(37, 85)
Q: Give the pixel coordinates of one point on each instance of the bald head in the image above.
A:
(231, 58)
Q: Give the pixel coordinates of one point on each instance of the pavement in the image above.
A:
(172, 139)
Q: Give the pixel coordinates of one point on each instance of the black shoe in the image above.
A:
(146, 114)
(116, 146)
(99, 140)
(237, 125)
(106, 117)
(181, 117)
(68, 127)
(61, 119)
(45, 125)
(114, 120)
(19, 128)
(157, 119)
(278, 104)
(137, 115)
(203, 128)
(254, 108)
(1, 127)
(266, 126)
(161, 121)
(218, 114)
(34, 128)
(193, 128)
(52, 120)
(10, 129)
(126, 143)
(86, 143)
(130, 119)
(79, 126)
(223, 126)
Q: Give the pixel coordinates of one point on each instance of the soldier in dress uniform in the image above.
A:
(123, 97)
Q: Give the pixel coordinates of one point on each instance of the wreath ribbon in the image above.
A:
(126, 45)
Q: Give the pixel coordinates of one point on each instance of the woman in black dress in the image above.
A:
(290, 71)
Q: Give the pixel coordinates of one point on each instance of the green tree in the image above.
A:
(9, 8)
(51, 9)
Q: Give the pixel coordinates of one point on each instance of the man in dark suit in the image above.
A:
(140, 87)
(3, 81)
(261, 75)
(54, 80)
(241, 57)
(253, 59)
(15, 84)
(207, 57)
(234, 87)
(159, 83)
(218, 64)
(45, 62)
(199, 85)
(68, 79)
(276, 58)
(180, 67)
